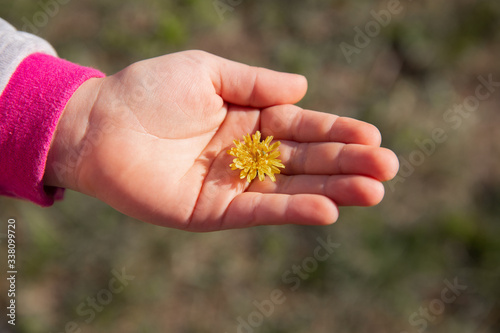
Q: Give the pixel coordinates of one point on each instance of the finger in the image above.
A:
(343, 190)
(338, 158)
(290, 122)
(251, 209)
(253, 86)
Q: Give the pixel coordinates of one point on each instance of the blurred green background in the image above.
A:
(439, 221)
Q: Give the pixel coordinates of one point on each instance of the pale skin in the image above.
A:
(152, 141)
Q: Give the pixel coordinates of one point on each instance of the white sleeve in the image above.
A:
(14, 47)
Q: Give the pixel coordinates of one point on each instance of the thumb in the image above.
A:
(254, 86)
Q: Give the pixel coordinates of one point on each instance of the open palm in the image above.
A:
(166, 123)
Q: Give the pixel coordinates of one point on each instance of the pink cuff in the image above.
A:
(30, 107)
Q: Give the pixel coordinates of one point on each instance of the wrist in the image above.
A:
(67, 148)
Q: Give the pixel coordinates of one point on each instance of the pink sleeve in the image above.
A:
(30, 107)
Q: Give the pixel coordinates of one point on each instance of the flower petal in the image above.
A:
(275, 145)
(262, 176)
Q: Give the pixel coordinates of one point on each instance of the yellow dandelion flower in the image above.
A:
(254, 157)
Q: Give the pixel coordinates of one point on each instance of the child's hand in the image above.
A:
(151, 141)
